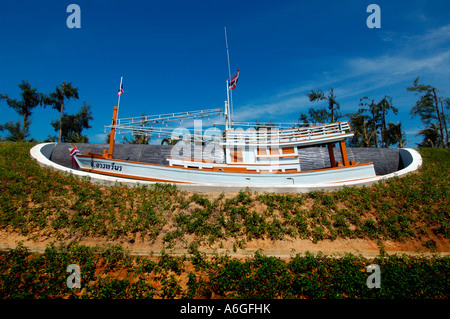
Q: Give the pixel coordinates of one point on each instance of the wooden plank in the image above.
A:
(288, 150)
(344, 153)
(236, 156)
(261, 151)
(331, 154)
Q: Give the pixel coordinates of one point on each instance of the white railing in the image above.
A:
(277, 136)
(144, 125)
(146, 120)
(147, 124)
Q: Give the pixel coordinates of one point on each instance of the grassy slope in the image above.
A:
(37, 202)
(40, 202)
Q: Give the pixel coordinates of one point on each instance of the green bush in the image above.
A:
(27, 275)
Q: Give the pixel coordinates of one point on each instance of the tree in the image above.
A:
(445, 117)
(138, 138)
(373, 120)
(396, 135)
(316, 116)
(108, 137)
(427, 107)
(71, 126)
(364, 135)
(319, 95)
(378, 113)
(169, 141)
(384, 106)
(31, 98)
(15, 131)
(63, 92)
(431, 136)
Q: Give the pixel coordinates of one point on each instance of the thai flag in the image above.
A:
(233, 81)
(74, 152)
(120, 89)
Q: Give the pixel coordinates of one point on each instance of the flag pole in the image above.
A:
(231, 107)
(227, 108)
(229, 94)
(228, 55)
(112, 136)
(120, 87)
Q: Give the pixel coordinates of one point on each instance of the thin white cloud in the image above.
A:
(400, 65)
(431, 39)
(424, 54)
(98, 138)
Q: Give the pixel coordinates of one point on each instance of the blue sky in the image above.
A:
(172, 56)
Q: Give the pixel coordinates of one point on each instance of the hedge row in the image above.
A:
(110, 272)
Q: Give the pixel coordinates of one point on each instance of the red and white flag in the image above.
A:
(233, 81)
(120, 89)
(74, 152)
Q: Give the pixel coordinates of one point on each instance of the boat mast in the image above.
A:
(112, 135)
(228, 110)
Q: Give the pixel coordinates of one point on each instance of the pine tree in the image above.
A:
(319, 95)
(72, 125)
(63, 93)
(427, 107)
(31, 98)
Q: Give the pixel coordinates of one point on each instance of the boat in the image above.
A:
(259, 155)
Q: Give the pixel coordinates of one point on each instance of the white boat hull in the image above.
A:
(163, 173)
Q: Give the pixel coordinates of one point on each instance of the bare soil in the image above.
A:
(286, 248)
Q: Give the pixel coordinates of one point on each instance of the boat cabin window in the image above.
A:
(288, 150)
(236, 155)
(262, 151)
(274, 151)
